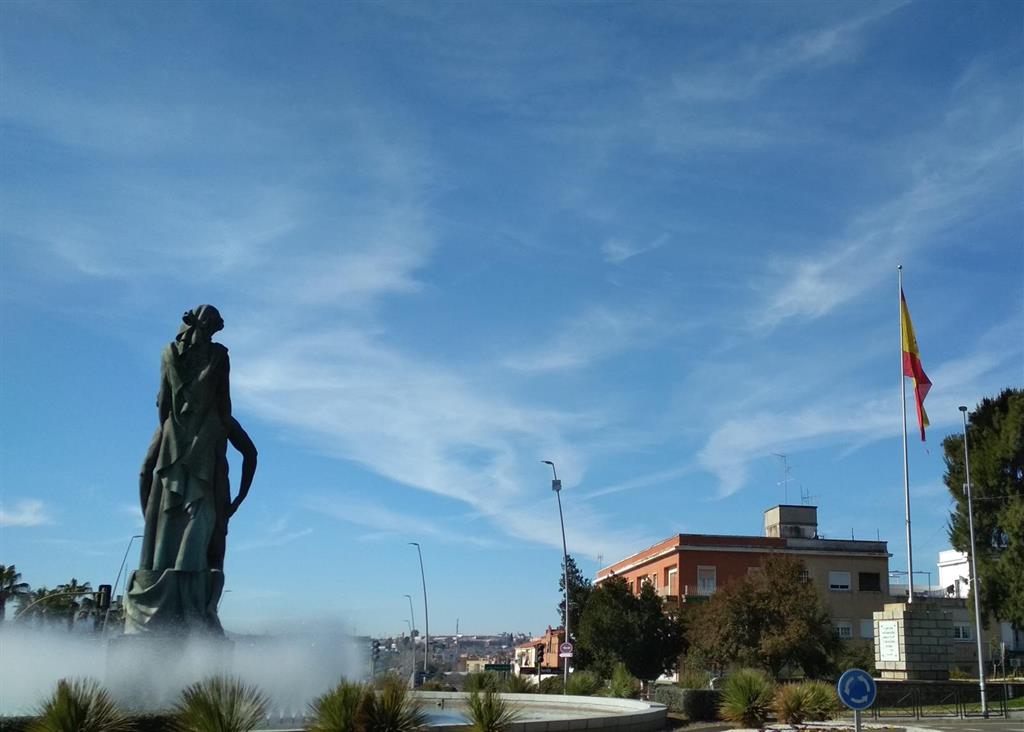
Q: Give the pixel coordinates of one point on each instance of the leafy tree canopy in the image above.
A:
(995, 440)
(618, 626)
(772, 619)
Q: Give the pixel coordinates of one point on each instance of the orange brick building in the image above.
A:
(853, 576)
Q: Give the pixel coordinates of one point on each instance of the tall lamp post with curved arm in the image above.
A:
(975, 583)
(412, 627)
(426, 615)
(556, 486)
(124, 560)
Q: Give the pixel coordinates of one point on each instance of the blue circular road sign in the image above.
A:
(857, 689)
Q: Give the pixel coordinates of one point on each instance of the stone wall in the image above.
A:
(922, 648)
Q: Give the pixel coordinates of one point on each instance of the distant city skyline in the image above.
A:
(654, 243)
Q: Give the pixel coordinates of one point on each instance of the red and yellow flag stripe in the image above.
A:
(912, 364)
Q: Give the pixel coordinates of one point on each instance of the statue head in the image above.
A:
(199, 323)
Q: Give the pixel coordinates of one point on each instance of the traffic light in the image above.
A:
(103, 597)
(376, 649)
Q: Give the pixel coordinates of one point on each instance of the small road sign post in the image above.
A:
(857, 690)
(565, 650)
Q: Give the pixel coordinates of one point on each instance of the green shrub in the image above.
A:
(701, 705)
(488, 712)
(515, 684)
(550, 685)
(823, 701)
(623, 684)
(693, 679)
(670, 696)
(746, 697)
(220, 704)
(584, 683)
(481, 681)
(436, 685)
(15, 724)
(79, 705)
(392, 709)
(340, 709)
(958, 674)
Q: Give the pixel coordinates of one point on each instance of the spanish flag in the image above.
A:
(912, 364)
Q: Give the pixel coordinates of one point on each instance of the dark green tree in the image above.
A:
(995, 440)
(773, 619)
(618, 626)
(11, 587)
(580, 588)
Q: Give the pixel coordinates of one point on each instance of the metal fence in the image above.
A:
(923, 700)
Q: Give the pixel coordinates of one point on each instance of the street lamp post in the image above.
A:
(556, 486)
(124, 560)
(975, 583)
(412, 627)
(426, 613)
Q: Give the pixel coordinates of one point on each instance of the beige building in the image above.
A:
(852, 575)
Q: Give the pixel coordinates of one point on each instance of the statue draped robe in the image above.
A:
(175, 589)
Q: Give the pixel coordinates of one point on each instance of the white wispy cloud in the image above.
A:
(749, 70)
(586, 339)
(25, 513)
(845, 415)
(618, 250)
(952, 173)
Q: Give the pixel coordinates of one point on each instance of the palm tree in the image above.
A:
(11, 588)
(71, 603)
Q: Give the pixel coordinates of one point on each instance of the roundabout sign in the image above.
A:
(857, 690)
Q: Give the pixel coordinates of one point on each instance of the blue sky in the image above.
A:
(653, 242)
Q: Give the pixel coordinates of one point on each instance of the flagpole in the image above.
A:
(906, 463)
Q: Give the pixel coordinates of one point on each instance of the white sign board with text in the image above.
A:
(888, 640)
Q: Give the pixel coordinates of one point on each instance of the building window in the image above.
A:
(706, 580)
(867, 629)
(839, 581)
(961, 631)
(843, 630)
(672, 582)
(869, 582)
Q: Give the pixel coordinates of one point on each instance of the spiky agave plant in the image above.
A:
(792, 703)
(489, 712)
(220, 704)
(747, 697)
(340, 709)
(80, 705)
(392, 709)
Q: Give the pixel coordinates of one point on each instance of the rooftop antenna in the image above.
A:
(600, 560)
(785, 475)
(805, 496)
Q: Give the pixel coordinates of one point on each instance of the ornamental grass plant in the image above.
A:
(80, 705)
(747, 697)
(340, 709)
(623, 685)
(489, 712)
(584, 683)
(516, 684)
(220, 704)
(392, 709)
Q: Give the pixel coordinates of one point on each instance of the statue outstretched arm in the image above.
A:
(241, 441)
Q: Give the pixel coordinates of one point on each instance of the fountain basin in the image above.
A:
(555, 713)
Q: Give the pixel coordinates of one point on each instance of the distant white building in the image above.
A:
(955, 578)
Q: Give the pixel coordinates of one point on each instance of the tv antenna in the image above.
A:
(785, 475)
(805, 496)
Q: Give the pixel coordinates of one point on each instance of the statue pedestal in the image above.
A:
(149, 671)
(913, 641)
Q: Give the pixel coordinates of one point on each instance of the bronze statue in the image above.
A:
(184, 488)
